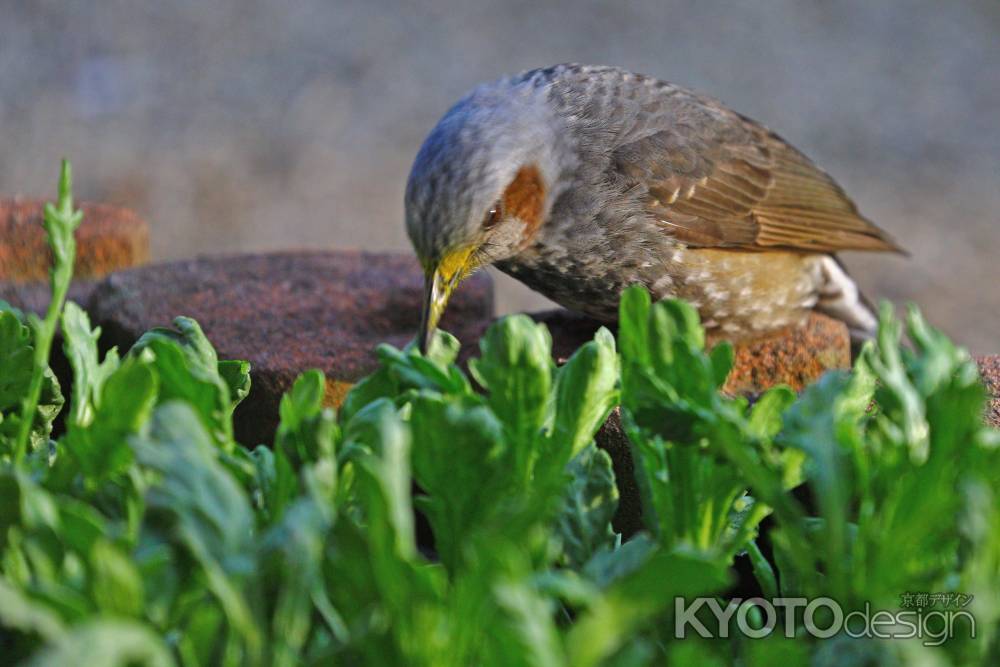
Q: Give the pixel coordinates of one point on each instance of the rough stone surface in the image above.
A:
(34, 297)
(796, 356)
(108, 239)
(989, 368)
(285, 313)
(612, 439)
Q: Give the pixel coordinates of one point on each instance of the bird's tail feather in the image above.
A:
(839, 297)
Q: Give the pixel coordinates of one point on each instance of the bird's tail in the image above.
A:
(839, 297)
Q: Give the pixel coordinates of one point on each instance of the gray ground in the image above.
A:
(256, 125)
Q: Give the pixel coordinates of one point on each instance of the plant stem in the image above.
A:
(60, 223)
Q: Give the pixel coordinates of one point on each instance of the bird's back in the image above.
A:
(678, 192)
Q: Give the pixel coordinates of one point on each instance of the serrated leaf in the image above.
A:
(307, 430)
(189, 370)
(124, 405)
(16, 360)
(515, 367)
(584, 523)
(89, 373)
(586, 392)
(236, 374)
(460, 461)
(385, 463)
(200, 506)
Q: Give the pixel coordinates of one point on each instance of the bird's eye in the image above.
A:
(493, 216)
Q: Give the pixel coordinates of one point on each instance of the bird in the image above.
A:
(583, 180)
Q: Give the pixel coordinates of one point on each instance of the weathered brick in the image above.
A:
(285, 313)
(110, 238)
(796, 356)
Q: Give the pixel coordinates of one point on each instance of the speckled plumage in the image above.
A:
(644, 182)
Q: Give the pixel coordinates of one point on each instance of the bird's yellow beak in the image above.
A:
(440, 280)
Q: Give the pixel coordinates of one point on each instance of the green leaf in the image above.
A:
(80, 525)
(23, 614)
(123, 407)
(189, 337)
(898, 399)
(610, 564)
(516, 368)
(198, 505)
(17, 364)
(115, 583)
(695, 652)
(408, 369)
(403, 371)
(42, 398)
(189, 370)
(291, 558)
(16, 360)
(766, 416)
(461, 462)
(633, 315)
(275, 481)
(106, 643)
(584, 524)
(367, 390)
(89, 374)
(638, 597)
(236, 374)
(24, 504)
(307, 430)
(722, 357)
(384, 462)
(814, 425)
(777, 650)
(442, 349)
(585, 394)
(537, 640)
(765, 424)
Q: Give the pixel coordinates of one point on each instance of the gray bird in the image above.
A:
(582, 180)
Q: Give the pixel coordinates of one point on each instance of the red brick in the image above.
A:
(285, 313)
(108, 239)
(796, 356)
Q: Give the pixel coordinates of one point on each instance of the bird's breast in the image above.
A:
(737, 293)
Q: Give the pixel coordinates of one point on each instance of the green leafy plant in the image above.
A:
(145, 534)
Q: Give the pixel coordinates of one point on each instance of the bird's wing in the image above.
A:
(732, 183)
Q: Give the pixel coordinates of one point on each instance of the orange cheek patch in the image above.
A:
(524, 198)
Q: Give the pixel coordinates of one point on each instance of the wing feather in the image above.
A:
(730, 182)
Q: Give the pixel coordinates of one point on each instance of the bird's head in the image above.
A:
(481, 186)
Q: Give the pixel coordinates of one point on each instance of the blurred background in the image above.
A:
(248, 125)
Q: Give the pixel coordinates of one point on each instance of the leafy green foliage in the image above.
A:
(190, 371)
(89, 372)
(17, 361)
(60, 221)
(146, 535)
(685, 432)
